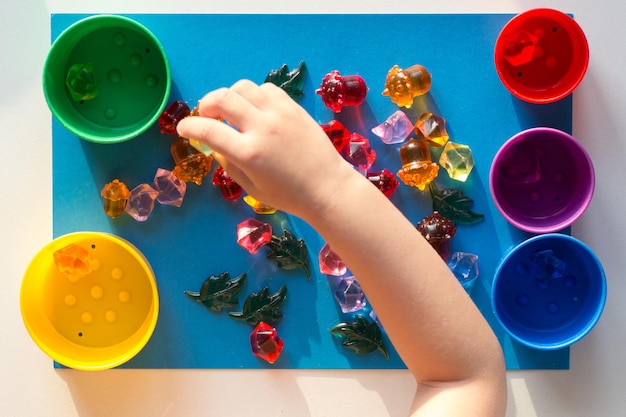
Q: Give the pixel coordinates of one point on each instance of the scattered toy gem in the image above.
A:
(228, 186)
(191, 164)
(464, 266)
(418, 169)
(454, 205)
(359, 152)
(349, 295)
(395, 129)
(338, 135)
(519, 48)
(218, 292)
(402, 86)
(384, 180)
(174, 113)
(141, 202)
(253, 234)
(432, 128)
(290, 81)
(257, 206)
(81, 82)
(330, 262)
(262, 306)
(457, 160)
(265, 342)
(171, 189)
(362, 336)
(438, 231)
(73, 261)
(546, 266)
(288, 252)
(114, 197)
(338, 91)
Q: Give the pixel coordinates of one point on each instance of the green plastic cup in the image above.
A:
(106, 78)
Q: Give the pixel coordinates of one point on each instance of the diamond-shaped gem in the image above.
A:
(171, 188)
(253, 234)
(141, 202)
(330, 262)
(349, 295)
(395, 129)
(265, 342)
(464, 266)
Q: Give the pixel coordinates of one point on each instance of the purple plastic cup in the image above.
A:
(542, 180)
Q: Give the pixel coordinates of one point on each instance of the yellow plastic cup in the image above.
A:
(96, 321)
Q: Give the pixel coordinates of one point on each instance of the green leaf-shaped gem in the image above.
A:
(454, 205)
(219, 292)
(362, 336)
(289, 252)
(262, 306)
(290, 81)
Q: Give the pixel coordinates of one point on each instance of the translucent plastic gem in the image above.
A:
(338, 91)
(330, 262)
(81, 82)
(338, 134)
(114, 197)
(349, 295)
(191, 164)
(546, 265)
(458, 160)
(432, 128)
(438, 230)
(253, 234)
(265, 342)
(258, 206)
(519, 48)
(395, 129)
(171, 189)
(73, 261)
(384, 180)
(464, 266)
(359, 152)
(418, 169)
(228, 187)
(174, 113)
(402, 86)
(141, 202)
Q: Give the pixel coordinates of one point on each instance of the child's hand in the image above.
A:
(277, 152)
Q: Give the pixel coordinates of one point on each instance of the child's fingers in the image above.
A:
(228, 104)
(216, 134)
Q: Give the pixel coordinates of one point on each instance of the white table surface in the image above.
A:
(31, 387)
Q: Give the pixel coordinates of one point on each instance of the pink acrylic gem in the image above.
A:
(171, 189)
(253, 234)
(265, 342)
(141, 202)
(384, 180)
(395, 129)
(338, 134)
(359, 153)
(330, 262)
(349, 295)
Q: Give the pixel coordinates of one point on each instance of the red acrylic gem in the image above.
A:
(384, 180)
(338, 91)
(229, 188)
(253, 234)
(359, 153)
(173, 114)
(338, 134)
(265, 342)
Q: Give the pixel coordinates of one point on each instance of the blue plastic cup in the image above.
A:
(549, 291)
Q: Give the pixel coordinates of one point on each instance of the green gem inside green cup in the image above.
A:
(106, 78)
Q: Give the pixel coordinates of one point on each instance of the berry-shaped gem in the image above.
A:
(384, 180)
(402, 86)
(265, 342)
(418, 169)
(114, 197)
(338, 91)
(438, 231)
(191, 164)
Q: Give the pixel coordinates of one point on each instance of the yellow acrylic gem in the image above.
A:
(458, 160)
(432, 128)
(257, 206)
(418, 169)
(402, 86)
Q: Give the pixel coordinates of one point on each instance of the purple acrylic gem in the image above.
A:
(359, 152)
(141, 202)
(349, 295)
(253, 234)
(171, 188)
(330, 262)
(395, 129)
(464, 266)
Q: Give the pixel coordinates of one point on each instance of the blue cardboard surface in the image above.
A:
(186, 245)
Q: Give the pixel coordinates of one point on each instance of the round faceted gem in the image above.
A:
(265, 342)
(253, 234)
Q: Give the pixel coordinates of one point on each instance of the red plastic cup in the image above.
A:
(542, 180)
(541, 55)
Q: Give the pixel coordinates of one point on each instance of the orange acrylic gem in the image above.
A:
(114, 197)
(73, 261)
(191, 164)
(402, 85)
(257, 206)
(418, 169)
